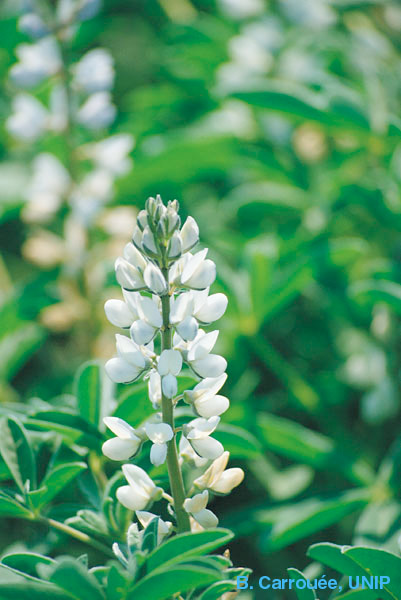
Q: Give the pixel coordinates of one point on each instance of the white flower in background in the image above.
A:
(159, 434)
(95, 71)
(36, 62)
(127, 442)
(155, 389)
(205, 399)
(198, 272)
(33, 25)
(140, 491)
(97, 112)
(144, 329)
(130, 362)
(46, 189)
(188, 454)
(218, 479)
(169, 366)
(242, 9)
(111, 153)
(58, 109)
(198, 434)
(29, 118)
(155, 280)
(199, 358)
(196, 507)
(163, 527)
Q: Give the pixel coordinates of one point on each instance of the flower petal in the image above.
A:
(211, 366)
(208, 448)
(214, 308)
(120, 371)
(121, 449)
(118, 313)
(158, 454)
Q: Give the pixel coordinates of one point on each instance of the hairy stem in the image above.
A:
(174, 471)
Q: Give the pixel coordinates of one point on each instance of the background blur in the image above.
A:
(277, 126)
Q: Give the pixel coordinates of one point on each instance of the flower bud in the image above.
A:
(142, 219)
(155, 280)
(128, 276)
(189, 234)
(137, 238)
(149, 243)
(174, 250)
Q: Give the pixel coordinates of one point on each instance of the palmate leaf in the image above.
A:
(333, 556)
(187, 545)
(377, 562)
(17, 453)
(71, 576)
(72, 427)
(10, 507)
(27, 564)
(55, 482)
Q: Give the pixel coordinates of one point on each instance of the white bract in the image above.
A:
(166, 294)
(126, 443)
(196, 506)
(140, 491)
(159, 434)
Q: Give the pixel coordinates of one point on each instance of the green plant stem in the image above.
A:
(78, 535)
(174, 471)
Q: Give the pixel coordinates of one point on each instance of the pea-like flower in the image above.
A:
(144, 329)
(126, 443)
(189, 234)
(219, 479)
(199, 358)
(155, 389)
(198, 272)
(140, 491)
(130, 363)
(155, 280)
(159, 434)
(198, 434)
(196, 507)
(205, 399)
(169, 366)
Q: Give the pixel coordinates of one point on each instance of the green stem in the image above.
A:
(174, 471)
(78, 535)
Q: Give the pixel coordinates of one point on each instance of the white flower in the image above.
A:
(169, 366)
(111, 153)
(148, 241)
(208, 309)
(129, 277)
(140, 491)
(159, 434)
(130, 363)
(127, 442)
(189, 234)
(36, 62)
(198, 433)
(135, 257)
(199, 358)
(190, 307)
(205, 399)
(155, 280)
(155, 389)
(198, 272)
(98, 111)
(32, 25)
(150, 320)
(196, 506)
(120, 313)
(219, 480)
(29, 118)
(163, 529)
(174, 249)
(188, 454)
(47, 188)
(95, 71)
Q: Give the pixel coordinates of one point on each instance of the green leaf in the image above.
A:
(162, 584)
(72, 577)
(26, 564)
(215, 591)
(333, 556)
(72, 427)
(302, 594)
(9, 507)
(88, 392)
(186, 545)
(239, 442)
(378, 291)
(17, 453)
(18, 346)
(56, 481)
(377, 562)
(150, 536)
(315, 449)
(32, 591)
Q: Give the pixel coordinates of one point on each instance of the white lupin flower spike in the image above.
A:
(126, 443)
(196, 506)
(159, 434)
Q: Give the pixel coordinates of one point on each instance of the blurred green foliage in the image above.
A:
(279, 131)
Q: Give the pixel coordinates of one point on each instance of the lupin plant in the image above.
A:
(166, 304)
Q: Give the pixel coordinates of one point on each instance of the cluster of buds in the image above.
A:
(165, 291)
(78, 97)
